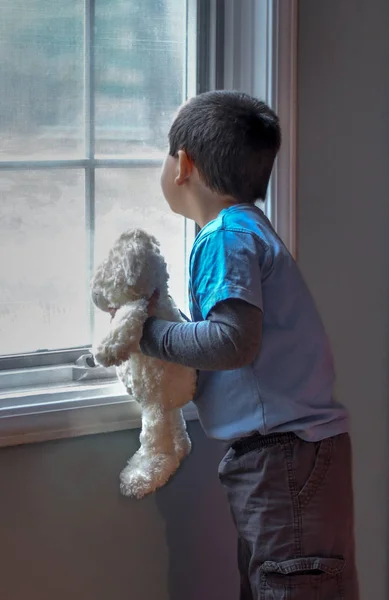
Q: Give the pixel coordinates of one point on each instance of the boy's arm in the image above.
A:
(229, 338)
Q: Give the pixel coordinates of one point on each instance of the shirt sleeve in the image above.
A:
(229, 339)
(225, 265)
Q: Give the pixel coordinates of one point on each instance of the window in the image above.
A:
(89, 88)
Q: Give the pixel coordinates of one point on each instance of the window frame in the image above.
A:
(250, 46)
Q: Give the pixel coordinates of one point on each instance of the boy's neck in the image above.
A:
(207, 205)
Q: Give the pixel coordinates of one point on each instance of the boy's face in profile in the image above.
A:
(170, 189)
(178, 172)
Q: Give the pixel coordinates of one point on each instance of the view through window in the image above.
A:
(89, 89)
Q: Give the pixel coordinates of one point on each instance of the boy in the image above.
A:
(265, 368)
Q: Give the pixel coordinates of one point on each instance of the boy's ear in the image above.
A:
(184, 168)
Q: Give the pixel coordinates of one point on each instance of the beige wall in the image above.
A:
(343, 201)
(66, 533)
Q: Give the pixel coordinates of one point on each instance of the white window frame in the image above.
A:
(248, 46)
(260, 54)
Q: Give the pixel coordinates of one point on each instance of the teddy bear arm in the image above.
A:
(124, 336)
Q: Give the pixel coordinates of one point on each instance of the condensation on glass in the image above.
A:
(41, 79)
(65, 100)
(43, 292)
(139, 74)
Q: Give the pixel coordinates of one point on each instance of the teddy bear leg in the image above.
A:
(156, 460)
(182, 443)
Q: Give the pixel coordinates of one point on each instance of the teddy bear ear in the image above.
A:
(154, 241)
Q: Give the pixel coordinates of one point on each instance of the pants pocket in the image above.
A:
(319, 471)
(310, 578)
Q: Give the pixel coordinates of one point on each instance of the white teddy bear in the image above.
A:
(122, 285)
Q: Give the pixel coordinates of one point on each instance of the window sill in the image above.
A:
(59, 413)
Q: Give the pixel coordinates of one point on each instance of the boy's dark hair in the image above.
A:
(233, 140)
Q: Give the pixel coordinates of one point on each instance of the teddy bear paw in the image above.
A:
(144, 475)
(104, 357)
(182, 448)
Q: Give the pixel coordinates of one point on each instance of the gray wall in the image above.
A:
(343, 200)
(67, 533)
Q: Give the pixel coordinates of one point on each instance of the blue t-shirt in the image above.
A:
(289, 386)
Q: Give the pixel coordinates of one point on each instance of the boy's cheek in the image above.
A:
(163, 182)
(163, 177)
(167, 180)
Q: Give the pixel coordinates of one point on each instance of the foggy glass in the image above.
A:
(139, 74)
(41, 79)
(137, 83)
(43, 292)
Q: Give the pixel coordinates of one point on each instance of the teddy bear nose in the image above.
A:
(95, 298)
(98, 301)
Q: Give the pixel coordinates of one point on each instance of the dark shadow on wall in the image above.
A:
(200, 535)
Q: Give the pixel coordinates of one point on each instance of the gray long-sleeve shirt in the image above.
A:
(229, 338)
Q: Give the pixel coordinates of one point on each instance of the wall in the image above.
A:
(343, 202)
(67, 533)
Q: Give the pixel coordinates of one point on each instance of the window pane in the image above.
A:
(140, 73)
(128, 198)
(41, 79)
(43, 288)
